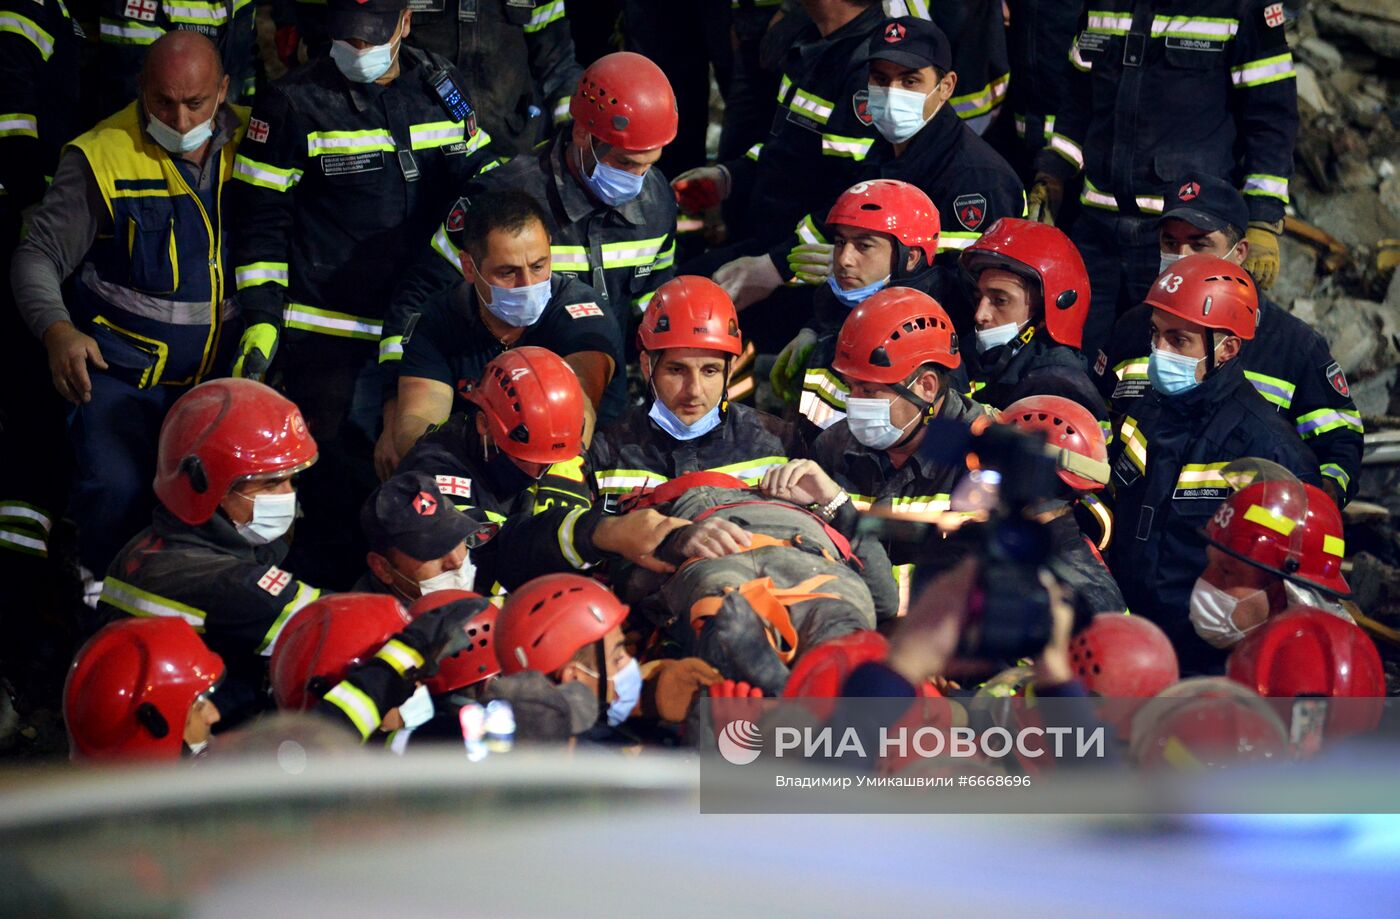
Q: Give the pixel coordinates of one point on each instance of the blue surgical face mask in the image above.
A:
(175, 142)
(628, 683)
(273, 515)
(610, 185)
(417, 710)
(671, 424)
(363, 66)
(996, 336)
(1172, 374)
(1166, 259)
(898, 114)
(853, 298)
(517, 306)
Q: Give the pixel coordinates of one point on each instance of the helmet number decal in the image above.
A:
(1223, 516)
(1171, 283)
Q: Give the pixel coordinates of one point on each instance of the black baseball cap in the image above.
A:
(1207, 203)
(911, 42)
(373, 21)
(410, 513)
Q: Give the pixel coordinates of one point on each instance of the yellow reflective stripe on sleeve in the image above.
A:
(808, 233)
(1091, 196)
(1267, 70)
(1264, 517)
(666, 259)
(399, 656)
(264, 175)
(1266, 186)
(304, 595)
(621, 481)
(751, 471)
(329, 322)
(568, 258)
(561, 109)
(1333, 546)
(19, 124)
(1337, 474)
(827, 386)
(391, 349)
(27, 28)
(855, 148)
(1103, 515)
(754, 152)
(1278, 391)
(357, 706)
(17, 539)
(983, 101)
(24, 511)
(818, 412)
(1314, 424)
(260, 273)
(326, 143)
(543, 15)
(1133, 442)
(783, 87)
(566, 538)
(814, 107)
(444, 246)
(122, 32)
(1067, 149)
(137, 602)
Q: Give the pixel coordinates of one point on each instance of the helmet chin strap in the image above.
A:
(927, 411)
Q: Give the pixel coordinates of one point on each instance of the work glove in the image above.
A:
(791, 365)
(1044, 199)
(701, 188)
(1262, 260)
(255, 351)
(287, 39)
(670, 686)
(749, 279)
(810, 263)
(441, 632)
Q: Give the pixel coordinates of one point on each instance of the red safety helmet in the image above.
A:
(546, 621)
(1210, 292)
(1071, 428)
(533, 405)
(1306, 651)
(625, 100)
(1118, 655)
(130, 689)
(893, 207)
(325, 639)
(1206, 721)
(891, 334)
(472, 664)
(820, 673)
(1291, 529)
(1043, 255)
(690, 312)
(221, 433)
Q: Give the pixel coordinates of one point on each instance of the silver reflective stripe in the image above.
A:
(174, 312)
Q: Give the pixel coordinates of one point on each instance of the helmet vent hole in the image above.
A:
(868, 206)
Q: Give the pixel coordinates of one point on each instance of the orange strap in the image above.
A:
(771, 603)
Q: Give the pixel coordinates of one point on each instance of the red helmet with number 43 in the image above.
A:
(1210, 292)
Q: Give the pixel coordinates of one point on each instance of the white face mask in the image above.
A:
(273, 515)
(869, 420)
(457, 579)
(197, 749)
(417, 710)
(1166, 259)
(996, 336)
(172, 141)
(1213, 614)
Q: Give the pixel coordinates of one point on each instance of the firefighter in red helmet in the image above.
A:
(228, 452)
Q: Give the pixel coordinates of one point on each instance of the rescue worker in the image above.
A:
(1032, 299)
(1083, 460)
(515, 458)
(347, 162)
(137, 203)
(611, 216)
(419, 543)
(895, 352)
(886, 234)
(509, 298)
(1169, 455)
(361, 660)
(39, 43)
(1270, 546)
(1037, 36)
(689, 342)
(1159, 90)
(813, 150)
(128, 28)
(1287, 361)
(976, 31)
(142, 689)
(569, 628)
(228, 452)
(922, 141)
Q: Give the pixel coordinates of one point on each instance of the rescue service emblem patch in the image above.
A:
(144, 10)
(275, 580)
(1338, 379)
(258, 130)
(860, 101)
(582, 310)
(425, 504)
(1273, 15)
(894, 32)
(457, 218)
(1188, 191)
(971, 210)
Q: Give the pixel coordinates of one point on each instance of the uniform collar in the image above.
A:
(933, 143)
(218, 533)
(1216, 388)
(363, 96)
(578, 205)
